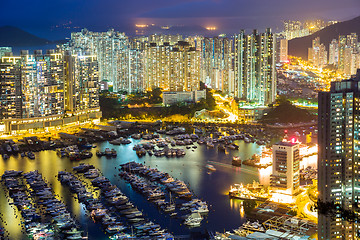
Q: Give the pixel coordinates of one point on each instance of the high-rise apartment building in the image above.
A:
(81, 83)
(10, 88)
(281, 49)
(352, 40)
(345, 54)
(334, 52)
(285, 178)
(317, 55)
(254, 67)
(296, 29)
(172, 67)
(342, 46)
(34, 82)
(50, 82)
(41, 90)
(339, 156)
(118, 58)
(217, 64)
(163, 38)
(4, 51)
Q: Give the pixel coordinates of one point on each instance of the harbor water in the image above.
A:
(224, 214)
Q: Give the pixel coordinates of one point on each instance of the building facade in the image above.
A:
(217, 64)
(119, 60)
(172, 67)
(281, 49)
(10, 88)
(254, 67)
(334, 52)
(285, 178)
(344, 53)
(318, 55)
(41, 89)
(170, 98)
(338, 157)
(81, 83)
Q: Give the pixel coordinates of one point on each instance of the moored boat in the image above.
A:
(236, 161)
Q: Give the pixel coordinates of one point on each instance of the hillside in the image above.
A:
(299, 46)
(15, 37)
(286, 112)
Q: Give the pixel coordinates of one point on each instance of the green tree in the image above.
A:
(210, 101)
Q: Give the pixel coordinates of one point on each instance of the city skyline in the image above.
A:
(255, 105)
(227, 16)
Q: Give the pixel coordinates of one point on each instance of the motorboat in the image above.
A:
(30, 155)
(210, 167)
(193, 220)
(236, 161)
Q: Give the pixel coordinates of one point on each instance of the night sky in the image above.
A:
(41, 17)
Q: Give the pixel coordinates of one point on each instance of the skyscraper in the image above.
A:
(255, 73)
(118, 63)
(38, 89)
(281, 49)
(342, 46)
(339, 156)
(10, 88)
(334, 52)
(217, 68)
(172, 67)
(81, 83)
(318, 54)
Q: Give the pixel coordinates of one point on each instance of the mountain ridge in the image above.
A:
(11, 36)
(299, 46)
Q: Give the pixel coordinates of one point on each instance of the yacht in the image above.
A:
(193, 220)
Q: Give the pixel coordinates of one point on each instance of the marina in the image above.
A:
(179, 195)
(190, 169)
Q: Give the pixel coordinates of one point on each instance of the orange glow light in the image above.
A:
(211, 28)
(141, 25)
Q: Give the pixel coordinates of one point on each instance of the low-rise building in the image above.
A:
(249, 114)
(170, 98)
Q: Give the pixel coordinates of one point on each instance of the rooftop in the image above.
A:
(287, 144)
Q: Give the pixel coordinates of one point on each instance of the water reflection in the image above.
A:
(264, 175)
(238, 206)
(224, 213)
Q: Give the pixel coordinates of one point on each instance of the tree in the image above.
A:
(156, 95)
(285, 112)
(210, 101)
